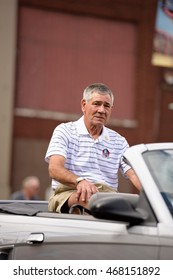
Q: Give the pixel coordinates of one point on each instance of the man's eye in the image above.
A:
(107, 105)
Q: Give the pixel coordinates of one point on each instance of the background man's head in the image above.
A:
(31, 187)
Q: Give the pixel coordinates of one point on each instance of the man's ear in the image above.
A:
(83, 104)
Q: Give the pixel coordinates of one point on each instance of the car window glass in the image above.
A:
(160, 164)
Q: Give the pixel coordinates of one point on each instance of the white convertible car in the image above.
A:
(120, 226)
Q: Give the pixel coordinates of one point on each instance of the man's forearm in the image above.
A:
(63, 176)
(133, 178)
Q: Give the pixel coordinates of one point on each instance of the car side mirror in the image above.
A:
(117, 209)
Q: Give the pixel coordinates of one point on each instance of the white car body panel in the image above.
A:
(120, 236)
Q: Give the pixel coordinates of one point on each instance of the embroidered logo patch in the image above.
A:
(106, 153)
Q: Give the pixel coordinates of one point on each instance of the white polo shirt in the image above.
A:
(96, 160)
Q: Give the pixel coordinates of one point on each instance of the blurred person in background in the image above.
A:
(30, 189)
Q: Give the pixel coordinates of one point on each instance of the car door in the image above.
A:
(87, 239)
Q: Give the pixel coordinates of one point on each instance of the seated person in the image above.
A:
(84, 156)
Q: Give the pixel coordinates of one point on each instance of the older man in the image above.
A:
(30, 189)
(84, 156)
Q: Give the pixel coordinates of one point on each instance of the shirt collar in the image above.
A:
(80, 125)
(82, 130)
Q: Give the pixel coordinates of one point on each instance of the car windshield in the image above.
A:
(160, 163)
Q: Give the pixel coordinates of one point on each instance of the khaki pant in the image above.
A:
(62, 194)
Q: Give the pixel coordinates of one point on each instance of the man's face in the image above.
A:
(97, 110)
(33, 189)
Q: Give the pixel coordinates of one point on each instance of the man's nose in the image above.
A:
(101, 109)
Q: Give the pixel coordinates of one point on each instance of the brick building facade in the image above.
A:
(61, 47)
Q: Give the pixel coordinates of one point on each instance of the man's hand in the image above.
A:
(85, 190)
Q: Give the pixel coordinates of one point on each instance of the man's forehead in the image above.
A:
(101, 96)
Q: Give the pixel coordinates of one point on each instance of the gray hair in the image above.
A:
(99, 88)
(27, 182)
